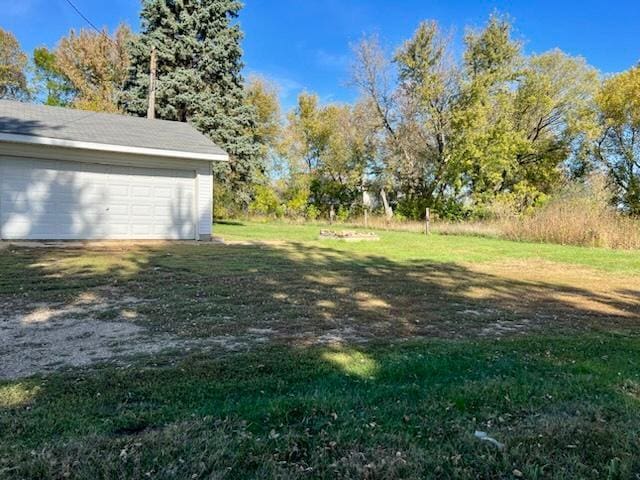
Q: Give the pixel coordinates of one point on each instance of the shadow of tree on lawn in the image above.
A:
(343, 408)
(302, 293)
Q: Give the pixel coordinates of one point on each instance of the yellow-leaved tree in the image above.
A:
(96, 64)
(619, 146)
(13, 61)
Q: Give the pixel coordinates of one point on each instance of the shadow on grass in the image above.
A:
(308, 294)
(314, 294)
(319, 402)
(228, 222)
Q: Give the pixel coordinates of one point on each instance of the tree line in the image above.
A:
(492, 130)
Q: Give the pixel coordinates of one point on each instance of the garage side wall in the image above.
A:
(204, 180)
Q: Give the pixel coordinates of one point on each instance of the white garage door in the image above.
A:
(52, 199)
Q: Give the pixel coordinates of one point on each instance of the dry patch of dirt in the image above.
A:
(501, 327)
(45, 337)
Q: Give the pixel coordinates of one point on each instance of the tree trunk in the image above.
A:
(388, 211)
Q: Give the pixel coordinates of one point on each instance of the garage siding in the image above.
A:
(205, 200)
(127, 198)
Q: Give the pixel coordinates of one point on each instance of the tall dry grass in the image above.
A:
(381, 222)
(474, 228)
(373, 222)
(580, 215)
(443, 227)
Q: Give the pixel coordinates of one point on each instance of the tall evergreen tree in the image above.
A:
(198, 79)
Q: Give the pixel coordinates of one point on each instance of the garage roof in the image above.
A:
(65, 127)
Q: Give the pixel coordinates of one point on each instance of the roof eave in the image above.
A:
(104, 147)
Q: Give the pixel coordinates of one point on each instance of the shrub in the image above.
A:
(296, 196)
(398, 216)
(296, 205)
(523, 199)
(312, 212)
(224, 205)
(326, 192)
(412, 207)
(265, 202)
(342, 214)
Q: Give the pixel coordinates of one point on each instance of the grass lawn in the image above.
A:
(291, 357)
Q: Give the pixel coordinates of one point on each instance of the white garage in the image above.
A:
(68, 174)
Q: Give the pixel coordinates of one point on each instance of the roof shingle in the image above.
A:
(104, 128)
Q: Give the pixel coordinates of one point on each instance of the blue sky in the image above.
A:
(304, 44)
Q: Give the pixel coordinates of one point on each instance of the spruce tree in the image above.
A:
(198, 80)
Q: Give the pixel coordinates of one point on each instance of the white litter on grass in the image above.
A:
(486, 438)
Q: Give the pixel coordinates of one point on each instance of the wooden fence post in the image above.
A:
(427, 221)
(366, 219)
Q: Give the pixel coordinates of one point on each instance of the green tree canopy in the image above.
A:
(51, 84)
(495, 126)
(262, 95)
(330, 147)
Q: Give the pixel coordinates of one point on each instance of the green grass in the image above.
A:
(402, 246)
(564, 408)
(400, 398)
